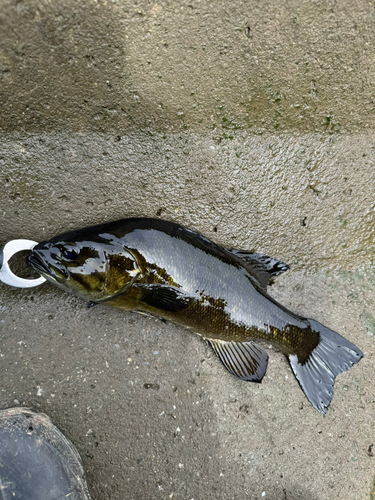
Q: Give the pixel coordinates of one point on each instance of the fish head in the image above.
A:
(93, 269)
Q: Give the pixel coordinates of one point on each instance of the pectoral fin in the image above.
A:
(163, 297)
(245, 360)
(260, 266)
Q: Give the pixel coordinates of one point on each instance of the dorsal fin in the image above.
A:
(245, 360)
(260, 266)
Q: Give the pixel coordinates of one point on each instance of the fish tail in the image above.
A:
(332, 355)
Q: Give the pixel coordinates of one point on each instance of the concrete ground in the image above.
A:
(253, 124)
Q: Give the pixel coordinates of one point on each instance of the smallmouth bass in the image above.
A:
(164, 269)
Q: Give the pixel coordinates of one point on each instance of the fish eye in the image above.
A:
(69, 253)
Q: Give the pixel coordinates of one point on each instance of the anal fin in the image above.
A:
(245, 360)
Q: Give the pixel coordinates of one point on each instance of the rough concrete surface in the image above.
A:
(251, 122)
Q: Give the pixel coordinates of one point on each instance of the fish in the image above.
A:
(166, 270)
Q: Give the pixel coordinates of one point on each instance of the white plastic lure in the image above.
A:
(6, 275)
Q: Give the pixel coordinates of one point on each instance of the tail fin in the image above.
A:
(331, 356)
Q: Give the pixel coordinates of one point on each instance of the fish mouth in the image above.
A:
(36, 262)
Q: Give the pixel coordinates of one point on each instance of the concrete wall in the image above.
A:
(304, 66)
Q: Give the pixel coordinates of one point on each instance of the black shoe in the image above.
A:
(37, 462)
